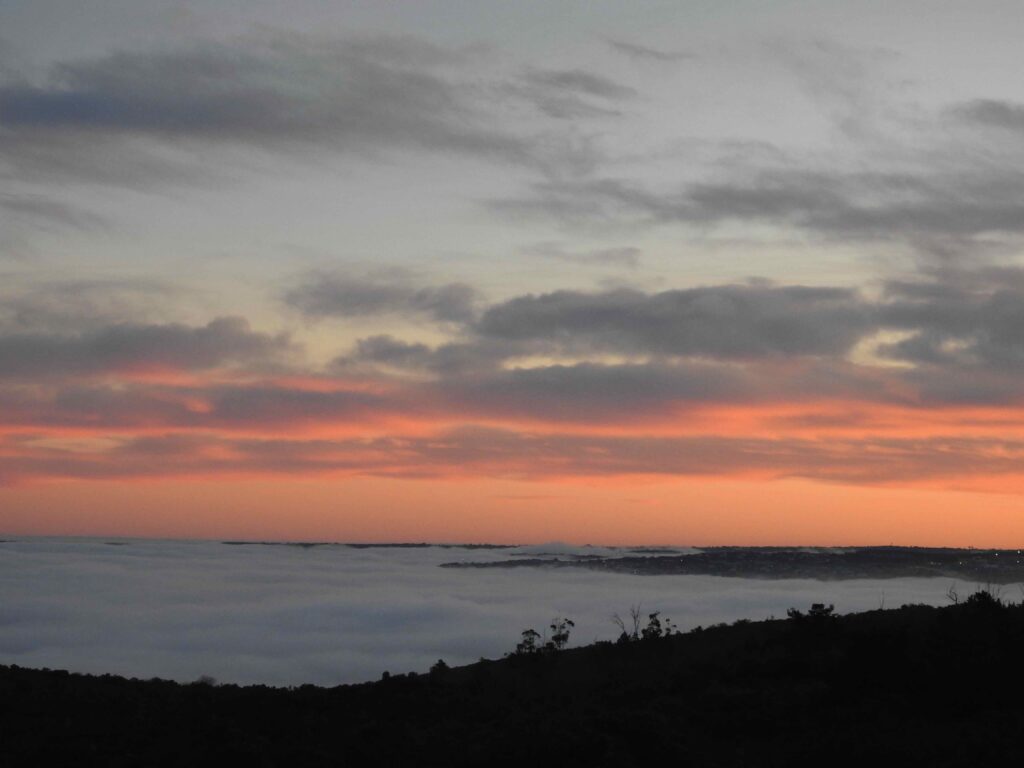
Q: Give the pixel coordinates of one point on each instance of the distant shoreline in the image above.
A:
(982, 566)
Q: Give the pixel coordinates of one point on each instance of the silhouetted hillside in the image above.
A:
(913, 686)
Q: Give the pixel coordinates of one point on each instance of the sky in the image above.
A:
(647, 272)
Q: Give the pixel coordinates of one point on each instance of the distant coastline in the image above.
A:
(983, 566)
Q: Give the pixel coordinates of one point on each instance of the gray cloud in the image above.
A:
(336, 295)
(625, 256)
(448, 360)
(892, 172)
(125, 347)
(242, 407)
(684, 344)
(905, 207)
(281, 92)
(960, 332)
(135, 116)
(270, 406)
(387, 350)
(731, 321)
(238, 92)
(927, 209)
(739, 343)
(992, 113)
(646, 53)
(579, 81)
(472, 389)
(75, 305)
(962, 321)
(853, 86)
(592, 393)
(646, 393)
(569, 94)
(96, 407)
(45, 211)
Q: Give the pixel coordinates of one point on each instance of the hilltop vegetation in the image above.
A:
(913, 686)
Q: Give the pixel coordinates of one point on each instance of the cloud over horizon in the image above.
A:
(566, 384)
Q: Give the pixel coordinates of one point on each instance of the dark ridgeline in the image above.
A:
(913, 686)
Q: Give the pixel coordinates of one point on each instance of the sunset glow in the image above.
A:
(680, 276)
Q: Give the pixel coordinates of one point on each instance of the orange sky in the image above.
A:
(694, 512)
(815, 472)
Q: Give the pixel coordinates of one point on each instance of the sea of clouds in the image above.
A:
(329, 614)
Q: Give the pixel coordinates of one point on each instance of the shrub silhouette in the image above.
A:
(983, 598)
(819, 612)
(984, 601)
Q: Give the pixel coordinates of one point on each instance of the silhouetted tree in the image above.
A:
(653, 628)
(952, 595)
(629, 633)
(820, 611)
(559, 633)
(656, 626)
(530, 642)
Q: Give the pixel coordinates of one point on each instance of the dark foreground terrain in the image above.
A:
(913, 686)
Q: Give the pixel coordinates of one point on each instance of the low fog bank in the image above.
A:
(328, 614)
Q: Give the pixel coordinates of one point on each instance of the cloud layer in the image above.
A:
(120, 118)
(286, 615)
(918, 383)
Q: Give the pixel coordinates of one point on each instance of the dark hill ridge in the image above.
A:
(913, 686)
(980, 566)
